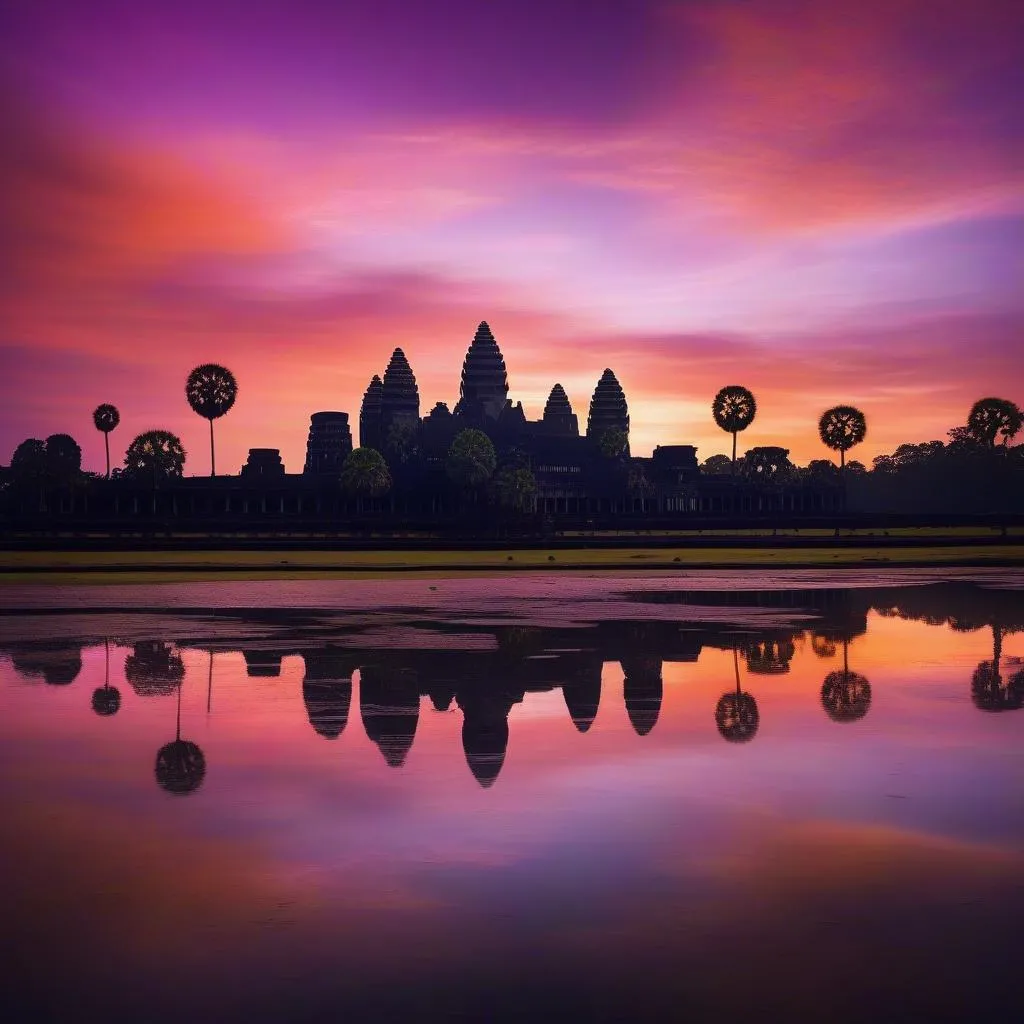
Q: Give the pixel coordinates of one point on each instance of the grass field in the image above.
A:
(167, 566)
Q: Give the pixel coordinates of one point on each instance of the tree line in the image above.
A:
(976, 455)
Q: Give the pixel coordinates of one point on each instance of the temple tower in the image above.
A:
(608, 409)
(370, 435)
(329, 442)
(559, 419)
(399, 396)
(484, 390)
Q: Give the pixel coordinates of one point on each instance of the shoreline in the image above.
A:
(59, 567)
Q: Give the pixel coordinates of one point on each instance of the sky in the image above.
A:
(821, 202)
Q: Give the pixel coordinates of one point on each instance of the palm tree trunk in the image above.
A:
(106, 445)
(213, 465)
(736, 666)
(734, 453)
(177, 731)
(209, 684)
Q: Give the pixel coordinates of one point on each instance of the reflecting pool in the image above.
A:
(619, 796)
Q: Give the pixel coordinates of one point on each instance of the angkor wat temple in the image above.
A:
(582, 477)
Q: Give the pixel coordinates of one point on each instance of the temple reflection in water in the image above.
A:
(484, 672)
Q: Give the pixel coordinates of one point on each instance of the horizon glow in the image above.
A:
(824, 203)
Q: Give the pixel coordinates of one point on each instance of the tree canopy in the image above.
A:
(994, 418)
(471, 458)
(155, 455)
(365, 473)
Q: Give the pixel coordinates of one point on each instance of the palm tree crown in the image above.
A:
(105, 418)
(734, 409)
(842, 427)
(211, 390)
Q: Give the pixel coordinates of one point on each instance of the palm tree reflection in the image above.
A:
(736, 714)
(180, 764)
(106, 699)
(989, 690)
(845, 695)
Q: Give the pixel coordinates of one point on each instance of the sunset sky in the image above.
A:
(821, 201)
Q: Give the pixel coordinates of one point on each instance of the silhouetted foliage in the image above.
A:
(769, 657)
(994, 418)
(180, 767)
(106, 418)
(734, 409)
(842, 427)
(155, 456)
(845, 695)
(717, 465)
(514, 488)
(63, 459)
(737, 717)
(613, 442)
(106, 700)
(402, 441)
(736, 713)
(991, 692)
(767, 465)
(153, 669)
(471, 459)
(56, 666)
(211, 391)
(365, 474)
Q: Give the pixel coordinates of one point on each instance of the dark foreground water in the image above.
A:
(676, 797)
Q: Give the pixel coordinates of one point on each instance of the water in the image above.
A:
(613, 796)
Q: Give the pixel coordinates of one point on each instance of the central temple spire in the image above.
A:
(484, 391)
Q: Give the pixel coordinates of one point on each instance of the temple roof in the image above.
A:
(399, 391)
(608, 407)
(372, 397)
(484, 378)
(558, 403)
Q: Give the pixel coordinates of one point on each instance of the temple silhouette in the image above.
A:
(580, 474)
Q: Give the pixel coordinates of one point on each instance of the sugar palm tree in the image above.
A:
(840, 428)
(106, 418)
(734, 409)
(211, 390)
(736, 713)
